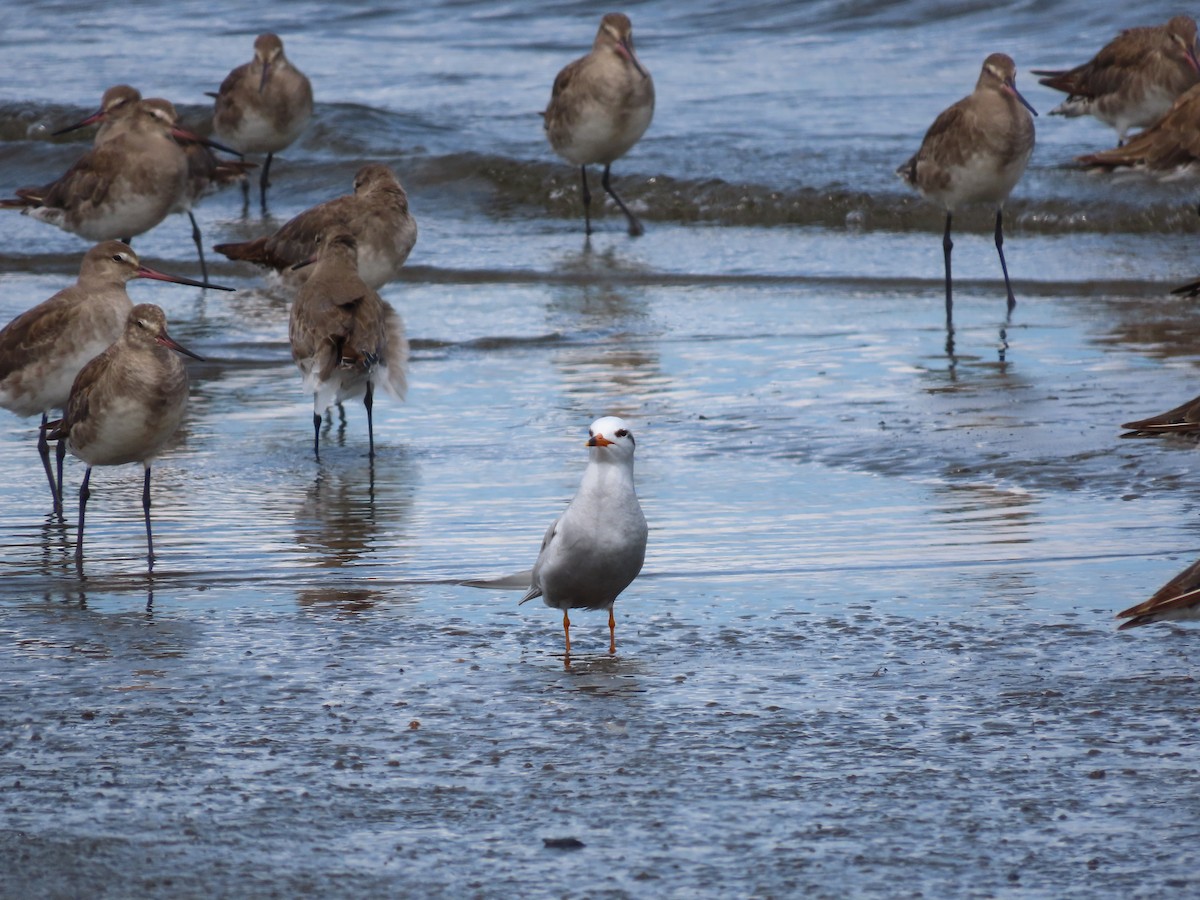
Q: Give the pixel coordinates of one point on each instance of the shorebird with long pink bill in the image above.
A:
(127, 183)
(346, 340)
(205, 171)
(124, 406)
(43, 349)
(596, 547)
(376, 214)
(1133, 80)
(976, 152)
(600, 106)
(262, 106)
(1169, 149)
(1176, 601)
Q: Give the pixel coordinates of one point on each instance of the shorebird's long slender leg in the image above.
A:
(44, 453)
(84, 493)
(567, 631)
(635, 227)
(60, 453)
(264, 182)
(369, 403)
(317, 435)
(1012, 301)
(199, 245)
(612, 632)
(146, 512)
(947, 246)
(587, 202)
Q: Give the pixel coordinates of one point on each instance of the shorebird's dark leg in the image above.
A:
(265, 181)
(199, 245)
(369, 403)
(1012, 301)
(44, 453)
(317, 435)
(947, 246)
(635, 227)
(83, 499)
(60, 453)
(146, 512)
(587, 202)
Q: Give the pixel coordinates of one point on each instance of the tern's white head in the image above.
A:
(610, 438)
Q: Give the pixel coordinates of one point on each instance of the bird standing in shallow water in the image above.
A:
(43, 349)
(346, 340)
(125, 405)
(975, 152)
(262, 106)
(376, 214)
(1133, 80)
(1176, 601)
(600, 106)
(595, 549)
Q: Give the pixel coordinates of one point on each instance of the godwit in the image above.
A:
(1133, 80)
(1177, 600)
(376, 214)
(133, 176)
(125, 405)
(1167, 149)
(263, 105)
(975, 152)
(1183, 420)
(345, 339)
(44, 348)
(595, 549)
(600, 107)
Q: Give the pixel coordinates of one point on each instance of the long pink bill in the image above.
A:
(167, 341)
(155, 275)
(182, 134)
(82, 123)
(626, 51)
(1012, 89)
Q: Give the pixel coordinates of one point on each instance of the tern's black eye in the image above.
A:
(621, 432)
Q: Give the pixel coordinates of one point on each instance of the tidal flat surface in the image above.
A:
(872, 652)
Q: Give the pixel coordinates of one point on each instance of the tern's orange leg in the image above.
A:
(612, 633)
(567, 631)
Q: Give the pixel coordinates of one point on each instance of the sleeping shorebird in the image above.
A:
(345, 339)
(44, 348)
(1170, 148)
(130, 180)
(125, 405)
(205, 171)
(1133, 80)
(975, 152)
(1177, 600)
(376, 214)
(600, 107)
(262, 106)
(595, 549)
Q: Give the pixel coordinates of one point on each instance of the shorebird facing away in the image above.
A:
(975, 152)
(1133, 80)
(43, 349)
(1183, 420)
(1177, 600)
(595, 549)
(262, 106)
(376, 214)
(125, 405)
(345, 339)
(600, 106)
(1168, 149)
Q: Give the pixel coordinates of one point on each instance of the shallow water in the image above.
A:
(872, 651)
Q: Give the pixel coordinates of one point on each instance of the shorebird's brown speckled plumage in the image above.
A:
(1177, 600)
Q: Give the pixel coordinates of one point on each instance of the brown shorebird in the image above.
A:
(1177, 600)
(1183, 420)
(975, 152)
(595, 549)
(263, 105)
(130, 180)
(600, 107)
(376, 214)
(119, 102)
(345, 339)
(1168, 149)
(43, 349)
(1133, 80)
(125, 405)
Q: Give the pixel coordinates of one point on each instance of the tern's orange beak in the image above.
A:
(598, 440)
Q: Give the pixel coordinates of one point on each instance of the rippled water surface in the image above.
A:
(872, 651)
